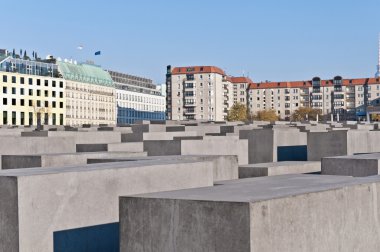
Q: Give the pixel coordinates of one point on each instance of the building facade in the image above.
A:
(31, 92)
(202, 93)
(90, 94)
(347, 99)
(137, 99)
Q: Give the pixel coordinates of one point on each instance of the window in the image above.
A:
(13, 90)
(5, 79)
(46, 93)
(53, 84)
(30, 103)
(13, 118)
(5, 101)
(22, 102)
(46, 104)
(60, 94)
(61, 105)
(22, 118)
(46, 83)
(61, 84)
(38, 82)
(13, 102)
(30, 81)
(38, 92)
(22, 80)
(13, 79)
(53, 104)
(38, 103)
(53, 93)
(5, 117)
(30, 118)
(4, 90)
(30, 91)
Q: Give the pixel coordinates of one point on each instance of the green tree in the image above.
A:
(266, 115)
(305, 113)
(238, 112)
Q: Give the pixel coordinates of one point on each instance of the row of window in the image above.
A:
(38, 118)
(30, 92)
(31, 80)
(38, 103)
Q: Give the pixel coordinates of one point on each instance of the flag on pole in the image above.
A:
(97, 53)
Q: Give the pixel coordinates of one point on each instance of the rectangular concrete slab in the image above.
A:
(55, 199)
(353, 165)
(284, 213)
(278, 168)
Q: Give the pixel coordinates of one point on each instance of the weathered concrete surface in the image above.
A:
(353, 165)
(10, 145)
(55, 199)
(56, 160)
(278, 168)
(217, 146)
(263, 143)
(8, 215)
(225, 167)
(279, 213)
(341, 142)
(126, 147)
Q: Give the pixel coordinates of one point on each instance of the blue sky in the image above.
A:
(267, 39)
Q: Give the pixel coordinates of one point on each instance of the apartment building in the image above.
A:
(346, 98)
(90, 94)
(137, 98)
(32, 92)
(202, 93)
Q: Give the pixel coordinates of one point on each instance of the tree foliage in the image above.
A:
(238, 112)
(305, 113)
(266, 115)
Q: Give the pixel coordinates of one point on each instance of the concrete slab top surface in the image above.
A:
(375, 155)
(263, 188)
(283, 163)
(91, 167)
(81, 153)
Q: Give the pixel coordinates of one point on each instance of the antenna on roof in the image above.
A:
(377, 75)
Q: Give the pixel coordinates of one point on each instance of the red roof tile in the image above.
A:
(197, 70)
(307, 83)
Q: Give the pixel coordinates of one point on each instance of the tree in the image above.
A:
(375, 117)
(238, 112)
(305, 113)
(266, 115)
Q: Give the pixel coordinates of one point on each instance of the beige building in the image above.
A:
(202, 93)
(31, 92)
(347, 99)
(90, 94)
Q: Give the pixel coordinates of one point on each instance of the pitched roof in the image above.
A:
(308, 83)
(197, 70)
(241, 80)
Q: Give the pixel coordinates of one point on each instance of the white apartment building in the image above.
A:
(347, 97)
(202, 93)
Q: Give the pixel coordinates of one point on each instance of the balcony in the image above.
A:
(190, 104)
(189, 112)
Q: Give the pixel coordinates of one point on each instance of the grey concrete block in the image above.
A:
(162, 147)
(62, 198)
(353, 165)
(279, 168)
(91, 147)
(319, 210)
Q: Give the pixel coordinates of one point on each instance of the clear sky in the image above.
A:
(267, 39)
